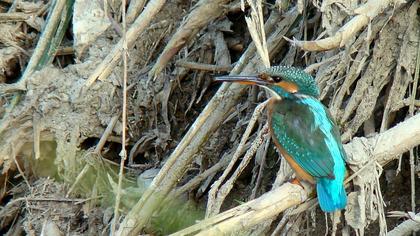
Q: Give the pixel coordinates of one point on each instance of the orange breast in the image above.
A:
(300, 172)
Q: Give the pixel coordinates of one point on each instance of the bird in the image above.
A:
(303, 131)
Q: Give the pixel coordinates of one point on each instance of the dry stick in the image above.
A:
(212, 170)
(109, 63)
(106, 134)
(14, 16)
(395, 96)
(37, 136)
(123, 153)
(213, 206)
(78, 179)
(204, 12)
(227, 187)
(208, 121)
(254, 212)
(203, 66)
(22, 173)
(365, 14)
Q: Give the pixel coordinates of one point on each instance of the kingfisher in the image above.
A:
(303, 131)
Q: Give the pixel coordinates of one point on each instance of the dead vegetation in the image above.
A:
(206, 148)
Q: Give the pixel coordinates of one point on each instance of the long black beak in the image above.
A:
(242, 79)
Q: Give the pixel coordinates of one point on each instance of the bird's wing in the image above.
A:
(305, 130)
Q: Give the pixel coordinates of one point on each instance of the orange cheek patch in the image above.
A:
(288, 86)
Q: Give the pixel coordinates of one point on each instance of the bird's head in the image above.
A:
(282, 81)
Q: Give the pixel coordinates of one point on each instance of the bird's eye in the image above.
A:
(276, 79)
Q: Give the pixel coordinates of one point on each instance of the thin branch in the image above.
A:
(203, 66)
(123, 153)
(106, 134)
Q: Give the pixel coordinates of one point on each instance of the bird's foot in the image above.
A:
(296, 181)
(304, 184)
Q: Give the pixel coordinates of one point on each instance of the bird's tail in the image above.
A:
(331, 195)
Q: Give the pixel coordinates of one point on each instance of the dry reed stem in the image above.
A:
(217, 194)
(364, 14)
(139, 25)
(255, 25)
(203, 66)
(248, 214)
(14, 16)
(123, 153)
(204, 125)
(37, 128)
(205, 11)
(106, 134)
